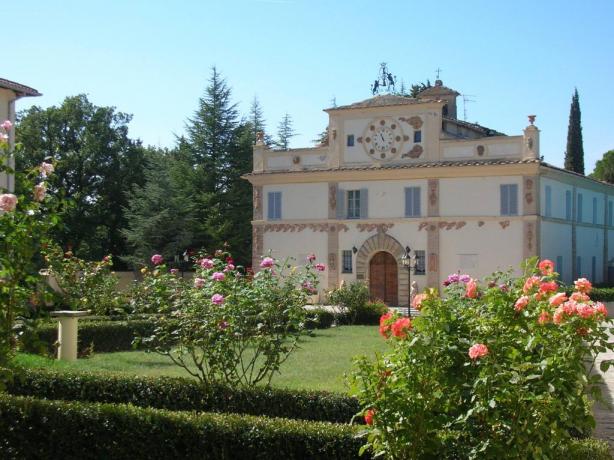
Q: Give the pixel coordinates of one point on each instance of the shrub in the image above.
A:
(85, 285)
(183, 394)
(371, 312)
(92, 431)
(320, 318)
(351, 297)
(486, 371)
(98, 336)
(233, 328)
(156, 292)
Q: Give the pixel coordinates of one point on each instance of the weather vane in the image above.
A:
(385, 81)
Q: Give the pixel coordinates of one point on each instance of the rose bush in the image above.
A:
(494, 369)
(230, 327)
(85, 285)
(26, 216)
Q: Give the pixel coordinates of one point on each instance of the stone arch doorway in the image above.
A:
(384, 278)
(381, 242)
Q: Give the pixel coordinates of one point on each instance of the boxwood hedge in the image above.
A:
(40, 429)
(184, 394)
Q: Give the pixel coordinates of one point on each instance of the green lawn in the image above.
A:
(319, 364)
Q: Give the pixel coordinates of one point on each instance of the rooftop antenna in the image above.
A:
(465, 101)
(437, 72)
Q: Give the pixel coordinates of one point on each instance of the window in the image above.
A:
(274, 211)
(353, 204)
(568, 204)
(559, 265)
(412, 201)
(417, 136)
(548, 201)
(509, 199)
(593, 268)
(420, 263)
(346, 259)
(579, 211)
(594, 210)
(610, 213)
(350, 141)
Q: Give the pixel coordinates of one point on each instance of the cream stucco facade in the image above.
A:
(401, 173)
(10, 92)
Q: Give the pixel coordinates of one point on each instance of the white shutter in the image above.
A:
(340, 204)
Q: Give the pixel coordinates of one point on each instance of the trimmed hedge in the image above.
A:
(183, 394)
(40, 429)
(98, 336)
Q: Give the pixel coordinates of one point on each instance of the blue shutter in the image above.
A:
(278, 205)
(513, 195)
(559, 265)
(548, 211)
(364, 203)
(579, 216)
(568, 204)
(610, 213)
(594, 210)
(416, 201)
(340, 204)
(504, 200)
(408, 202)
(271, 205)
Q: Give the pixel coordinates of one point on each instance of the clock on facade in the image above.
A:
(383, 138)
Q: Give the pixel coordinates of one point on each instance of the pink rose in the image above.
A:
(417, 301)
(199, 283)
(218, 276)
(174, 271)
(217, 299)
(557, 318)
(471, 289)
(478, 351)
(548, 286)
(530, 283)
(583, 285)
(320, 267)
(7, 125)
(46, 169)
(229, 268)
(8, 202)
(570, 307)
(400, 327)
(557, 299)
(585, 311)
(157, 259)
(546, 267)
(311, 257)
(4, 138)
(544, 317)
(267, 262)
(39, 192)
(521, 303)
(206, 263)
(579, 297)
(601, 309)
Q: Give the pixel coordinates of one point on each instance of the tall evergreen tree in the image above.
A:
(285, 132)
(604, 168)
(257, 122)
(574, 155)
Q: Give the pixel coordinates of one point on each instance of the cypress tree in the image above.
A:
(574, 155)
(285, 132)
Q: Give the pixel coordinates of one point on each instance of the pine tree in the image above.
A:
(574, 155)
(285, 132)
(257, 122)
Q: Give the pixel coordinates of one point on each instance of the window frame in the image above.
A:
(506, 189)
(353, 204)
(274, 212)
(418, 136)
(410, 201)
(420, 268)
(347, 256)
(350, 140)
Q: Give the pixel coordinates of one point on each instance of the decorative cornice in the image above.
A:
(381, 228)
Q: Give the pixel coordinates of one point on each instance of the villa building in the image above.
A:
(401, 173)
(9, 93)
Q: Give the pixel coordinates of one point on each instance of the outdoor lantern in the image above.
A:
(407, 260)
(354, 249)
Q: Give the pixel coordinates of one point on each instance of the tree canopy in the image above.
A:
(604, 168)
(574, 155)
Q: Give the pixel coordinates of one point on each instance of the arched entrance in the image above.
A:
(383, 278)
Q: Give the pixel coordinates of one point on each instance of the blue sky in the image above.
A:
(153, 59)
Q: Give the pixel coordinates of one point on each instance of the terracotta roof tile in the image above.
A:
(383, 100)
(21, 90)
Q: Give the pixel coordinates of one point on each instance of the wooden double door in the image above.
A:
(384, 278)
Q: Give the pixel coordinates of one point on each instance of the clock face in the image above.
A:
(383, 138)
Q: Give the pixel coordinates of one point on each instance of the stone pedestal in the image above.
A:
(67, 333)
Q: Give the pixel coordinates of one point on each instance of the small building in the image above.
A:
(9, 93)
(402, 174)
